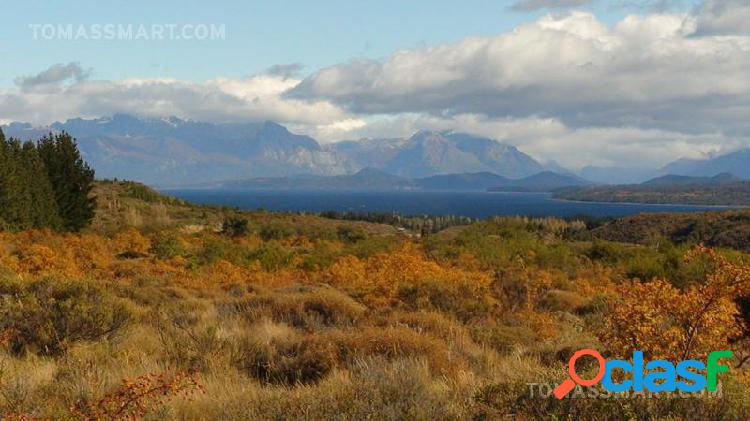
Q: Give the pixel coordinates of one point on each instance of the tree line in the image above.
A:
(426, 224)
(44, 184)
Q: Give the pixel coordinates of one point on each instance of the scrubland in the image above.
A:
(165, 310)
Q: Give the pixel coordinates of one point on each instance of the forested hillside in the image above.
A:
(668, 190)
(729, 229)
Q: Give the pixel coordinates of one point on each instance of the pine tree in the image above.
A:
(13, 198)
(71, 179)
(42, 207)
(5, 172)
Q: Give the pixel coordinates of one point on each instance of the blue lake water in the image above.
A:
(471, 204)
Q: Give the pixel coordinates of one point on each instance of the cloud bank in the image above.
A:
(645, 90)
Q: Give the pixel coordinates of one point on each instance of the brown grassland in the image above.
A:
(155, 312)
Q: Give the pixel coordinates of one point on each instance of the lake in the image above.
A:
(471, 204)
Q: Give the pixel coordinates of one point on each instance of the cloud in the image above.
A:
(650, 72)
(645, 90)
(724, 17)
(286, 70)
(529, 5)
(255, 98)
(53, 76)
(651, 5)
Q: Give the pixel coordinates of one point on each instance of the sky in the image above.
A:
(581, 82)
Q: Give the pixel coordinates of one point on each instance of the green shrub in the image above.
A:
(167, 246)
(235, 226)
(350, 234)
(271, 256)
(141, 192)
(48, 315)
(217, 248)
(276, 230)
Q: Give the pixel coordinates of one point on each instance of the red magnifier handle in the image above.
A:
(564, 388)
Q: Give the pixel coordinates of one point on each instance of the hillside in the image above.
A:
(684, 180)
(362, 180)
(124, 204)
(167, 310)
(469, 181)
(730, 229)
(545, 181)
(722, 189)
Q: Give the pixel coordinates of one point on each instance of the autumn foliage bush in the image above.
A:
(674, 324)
(136, 398)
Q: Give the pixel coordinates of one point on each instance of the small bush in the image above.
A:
(351, 235)
(166, 246)
(217, 248)
(276, 231)
(48, 315)
(271, 256)
(289, 362)
(235, 226)
(292, 361)
(558, 300)
(304, 308)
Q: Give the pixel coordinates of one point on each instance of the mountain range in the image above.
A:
(172, 152)
(736, 163)
(374, 179)
(176, 152)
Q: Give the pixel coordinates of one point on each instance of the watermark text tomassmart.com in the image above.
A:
(128, 32)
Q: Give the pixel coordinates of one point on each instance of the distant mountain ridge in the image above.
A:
(434, 153)
(374, 179)
(545, 181)
(685, 180)
(736, 163)
(174, 152)
(721, 189)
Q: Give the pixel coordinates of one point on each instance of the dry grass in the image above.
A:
(293, 322)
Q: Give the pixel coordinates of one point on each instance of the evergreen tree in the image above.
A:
(13, 200)
(42, 205)
(71, 179)
(5, 174)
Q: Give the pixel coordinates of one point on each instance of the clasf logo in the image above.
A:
(655, 376)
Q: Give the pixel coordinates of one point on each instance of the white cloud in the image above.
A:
(644, 71)
(255, 98)
(724, 17)
(646, 90)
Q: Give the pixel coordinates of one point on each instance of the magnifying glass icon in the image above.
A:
(570, 383)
